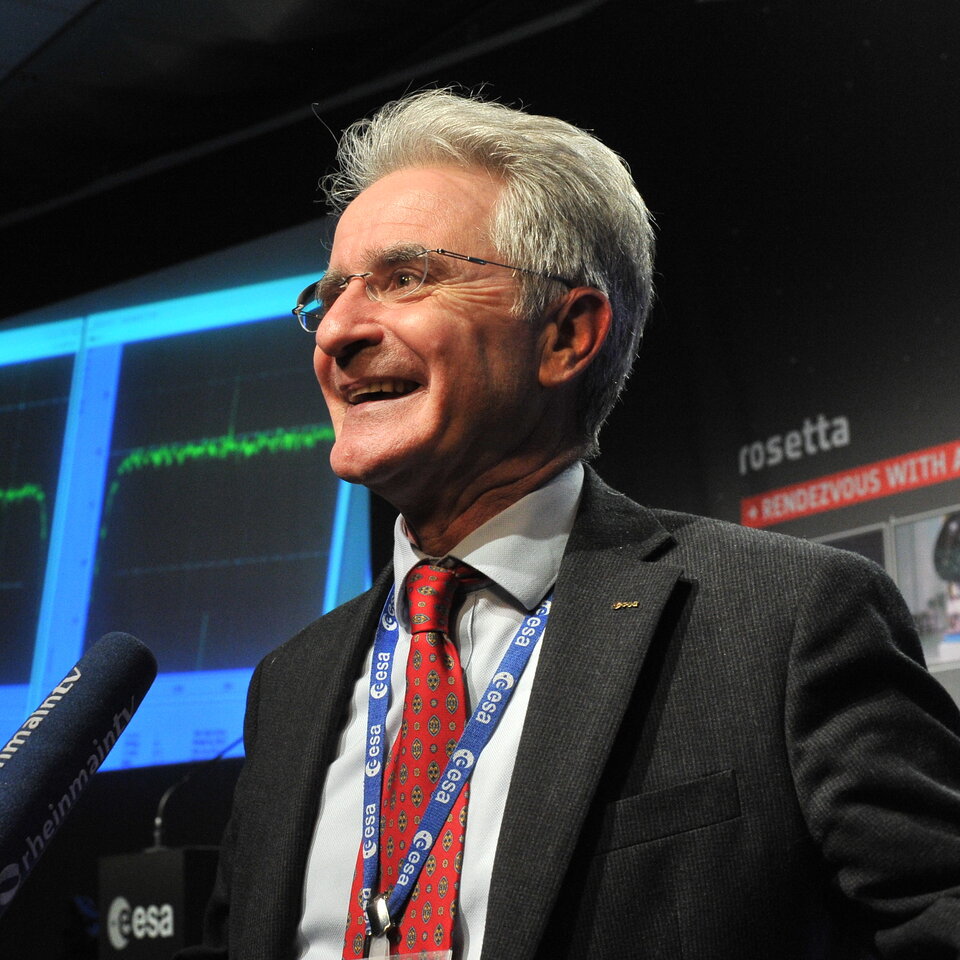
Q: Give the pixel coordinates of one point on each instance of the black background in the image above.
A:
(801, 158)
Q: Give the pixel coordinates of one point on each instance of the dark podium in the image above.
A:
(152, 903)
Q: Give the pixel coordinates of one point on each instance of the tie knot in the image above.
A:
(431, 588)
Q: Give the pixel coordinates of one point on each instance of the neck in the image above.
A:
(437, 527)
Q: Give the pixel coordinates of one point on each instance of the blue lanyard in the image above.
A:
(476, 735)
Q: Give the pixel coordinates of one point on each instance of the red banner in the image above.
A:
(869, 482)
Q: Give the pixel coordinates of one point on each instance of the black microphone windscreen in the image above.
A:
(46, 765)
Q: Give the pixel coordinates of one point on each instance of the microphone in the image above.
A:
(46, 765)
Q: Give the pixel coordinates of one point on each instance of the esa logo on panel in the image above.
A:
(124, 922)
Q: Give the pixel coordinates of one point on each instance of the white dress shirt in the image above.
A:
(519, 551)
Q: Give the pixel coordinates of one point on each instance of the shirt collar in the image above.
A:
(520, 549)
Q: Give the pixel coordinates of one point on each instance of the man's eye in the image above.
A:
(405, 279)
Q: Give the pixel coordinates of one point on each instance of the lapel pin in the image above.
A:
(621, 604)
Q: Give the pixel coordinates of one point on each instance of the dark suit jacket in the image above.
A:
(731, 751)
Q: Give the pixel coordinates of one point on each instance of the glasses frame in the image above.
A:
(311, 322)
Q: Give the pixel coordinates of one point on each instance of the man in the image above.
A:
(723, 746)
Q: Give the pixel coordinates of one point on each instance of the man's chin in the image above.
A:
(358, 466)
(349, 471)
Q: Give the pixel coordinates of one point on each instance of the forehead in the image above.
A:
(433, 206)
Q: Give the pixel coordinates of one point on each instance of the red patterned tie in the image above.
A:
(434, 713)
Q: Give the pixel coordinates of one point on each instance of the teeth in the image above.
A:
(379, 387)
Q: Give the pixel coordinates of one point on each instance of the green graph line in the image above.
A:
(29, 492)
(230, 446)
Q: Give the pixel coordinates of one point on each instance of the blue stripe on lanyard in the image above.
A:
(476, 735)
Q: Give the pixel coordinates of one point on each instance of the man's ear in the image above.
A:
(573, 333)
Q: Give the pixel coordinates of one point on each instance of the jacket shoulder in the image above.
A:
(704, 543)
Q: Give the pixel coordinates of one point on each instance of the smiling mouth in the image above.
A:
(378, 390)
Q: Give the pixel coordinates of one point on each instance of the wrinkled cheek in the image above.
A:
(321, 367)
(333, 403)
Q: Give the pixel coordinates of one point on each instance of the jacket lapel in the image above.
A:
(607, 603)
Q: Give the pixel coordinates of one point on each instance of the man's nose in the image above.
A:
(350, 324)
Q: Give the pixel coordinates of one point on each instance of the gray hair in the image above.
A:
(569, 207)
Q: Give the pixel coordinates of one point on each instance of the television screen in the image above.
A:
(164, 472)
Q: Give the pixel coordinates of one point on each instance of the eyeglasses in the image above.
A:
(401, 276)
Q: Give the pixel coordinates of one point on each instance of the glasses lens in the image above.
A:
(386, 284)
(398, 281)
(309, 311)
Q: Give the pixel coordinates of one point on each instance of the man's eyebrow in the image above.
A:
(398, 253)
(330, 277)
(331, 280)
